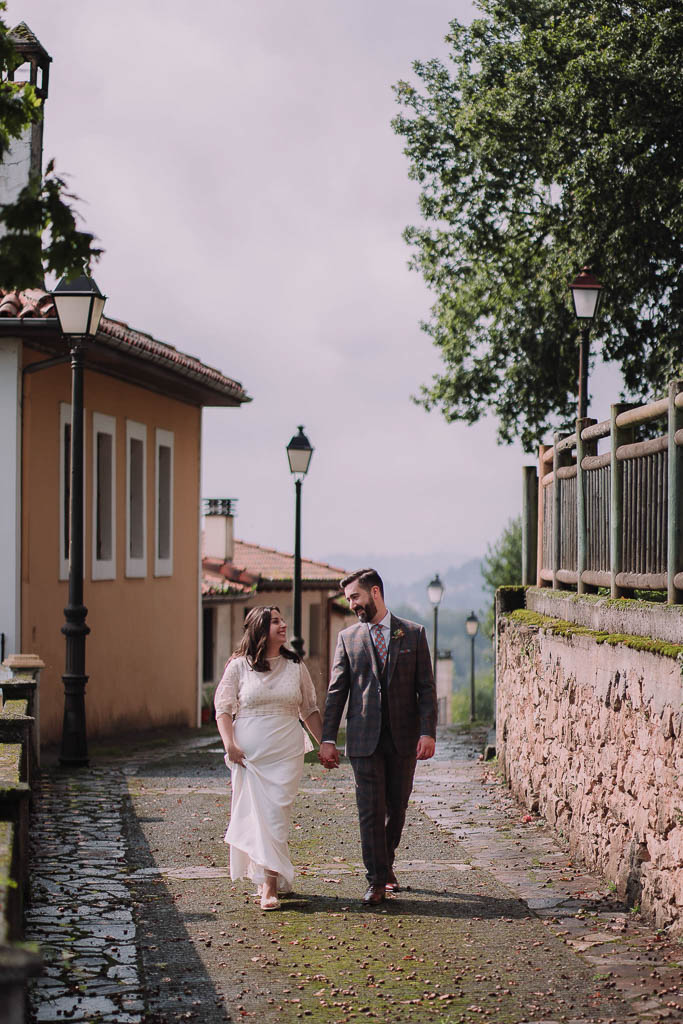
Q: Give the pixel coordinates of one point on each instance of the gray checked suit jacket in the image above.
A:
(411, 692)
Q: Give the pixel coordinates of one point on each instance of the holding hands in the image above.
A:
(328, 755)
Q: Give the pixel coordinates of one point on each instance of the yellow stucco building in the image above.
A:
(143, 413)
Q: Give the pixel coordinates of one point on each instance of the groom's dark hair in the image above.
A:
(368, 578)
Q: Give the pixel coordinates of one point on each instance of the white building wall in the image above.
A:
(15, 169)
(10, 506)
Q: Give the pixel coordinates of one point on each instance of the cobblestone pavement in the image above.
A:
(139, 922)
(81, 910)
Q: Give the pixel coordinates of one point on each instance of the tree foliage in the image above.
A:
(554, 139)
(40, 230)
(502, 564)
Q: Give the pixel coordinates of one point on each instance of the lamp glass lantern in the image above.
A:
(299, 452)
(79, 304)
(586, 292)
(472, 624)
(435, 591)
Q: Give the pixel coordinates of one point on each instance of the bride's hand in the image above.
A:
(234, 754)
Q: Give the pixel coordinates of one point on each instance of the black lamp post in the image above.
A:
(586, 292)
(299, 452)
(79, 304)
(472, 627)
(435, 591)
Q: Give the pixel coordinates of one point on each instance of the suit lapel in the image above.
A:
(394, 646)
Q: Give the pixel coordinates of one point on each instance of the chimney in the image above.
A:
(218, 528)
(24, 157)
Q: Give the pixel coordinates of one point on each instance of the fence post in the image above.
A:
(540, 582)
(675, 512)
(560, 458)
(557, 513)
(618, 436)
(582, 448)
(529, 525)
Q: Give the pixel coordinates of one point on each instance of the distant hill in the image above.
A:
(406, 578)
(405, 581)
(464, 590)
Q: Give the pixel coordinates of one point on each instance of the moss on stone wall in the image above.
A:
(605, 601)
(561, 627)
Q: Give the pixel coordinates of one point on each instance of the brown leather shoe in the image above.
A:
(374, 896)
(392, 883)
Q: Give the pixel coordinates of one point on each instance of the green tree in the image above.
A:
(40, 229)
(502, 564)
(555, 139)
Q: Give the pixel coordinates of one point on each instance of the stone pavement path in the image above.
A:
(626, 955)
(139, 921)
(81, 911)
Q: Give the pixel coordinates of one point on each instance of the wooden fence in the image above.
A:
(612, 519)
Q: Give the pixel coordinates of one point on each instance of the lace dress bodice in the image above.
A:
(287, 689)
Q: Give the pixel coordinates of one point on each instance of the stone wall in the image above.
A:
(589, 735)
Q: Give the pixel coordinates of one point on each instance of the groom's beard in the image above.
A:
(366, 612)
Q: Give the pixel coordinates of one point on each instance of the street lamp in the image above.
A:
(299, 452)
(79, 304)
(586, 292)
(435, 591)
(472, 627)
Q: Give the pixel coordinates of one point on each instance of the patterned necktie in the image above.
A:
(380, 644)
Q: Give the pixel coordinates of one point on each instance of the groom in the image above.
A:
(382, 666)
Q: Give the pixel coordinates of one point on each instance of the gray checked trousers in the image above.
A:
(384, 782)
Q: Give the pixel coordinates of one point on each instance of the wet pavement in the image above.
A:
(81, 910)
(138, 920)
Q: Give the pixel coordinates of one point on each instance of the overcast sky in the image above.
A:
(237, 164)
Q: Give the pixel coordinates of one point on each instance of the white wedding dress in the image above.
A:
(266, 707)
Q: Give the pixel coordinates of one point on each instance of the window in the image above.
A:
(163, 549)
(104, 498)
(208, 643)
(65, 489)
(136, 499)
(314, 630)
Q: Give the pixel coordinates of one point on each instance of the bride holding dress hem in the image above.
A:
(263, 693)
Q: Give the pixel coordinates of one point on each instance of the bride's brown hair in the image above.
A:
(254, 640)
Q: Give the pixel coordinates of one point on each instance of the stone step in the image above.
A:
(15, 728)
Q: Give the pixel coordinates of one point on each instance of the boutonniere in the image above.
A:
(397, 634)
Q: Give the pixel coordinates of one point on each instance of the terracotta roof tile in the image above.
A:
(275, 565)
(253, 564)
(10, 305)
(216, 581)
(34, 303)
(159, 350)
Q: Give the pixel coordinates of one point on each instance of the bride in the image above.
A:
(264, 691)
